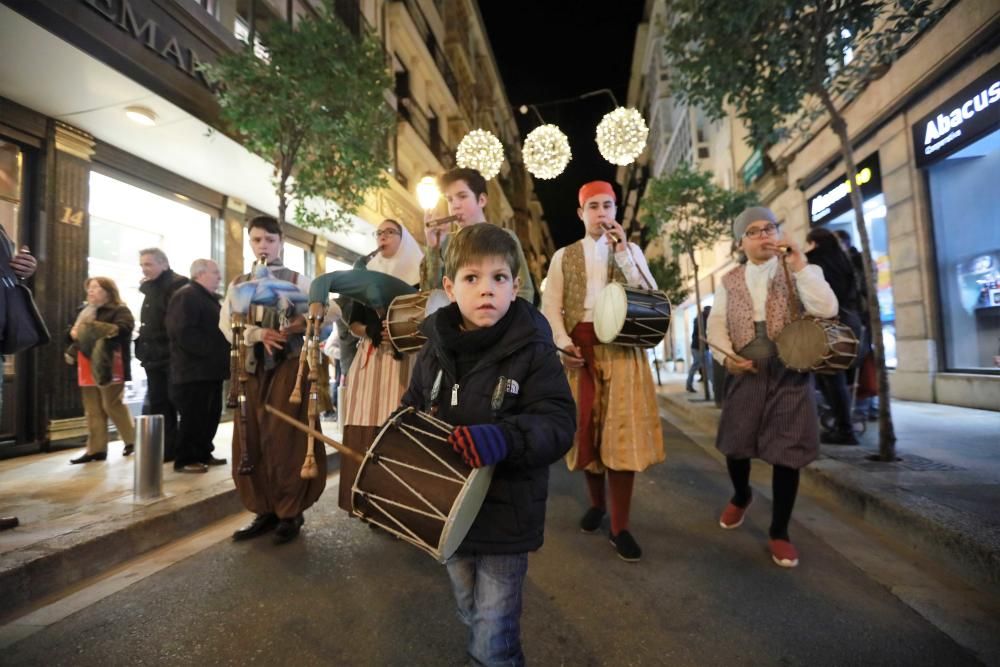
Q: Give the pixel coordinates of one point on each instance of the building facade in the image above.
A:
(86, 188)
(926, 140)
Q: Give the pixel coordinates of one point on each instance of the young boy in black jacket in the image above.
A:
(490, 368)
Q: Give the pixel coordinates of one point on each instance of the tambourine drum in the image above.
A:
(631, 316)
(405, 315)
(414, 485)
(817, 346)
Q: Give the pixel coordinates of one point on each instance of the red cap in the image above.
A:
(596, 188)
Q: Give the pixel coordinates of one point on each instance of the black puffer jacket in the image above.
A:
(152, 347)
(538, 418)
(199, 352)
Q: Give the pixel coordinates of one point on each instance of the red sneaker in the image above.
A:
(783, 553)
(732, 516)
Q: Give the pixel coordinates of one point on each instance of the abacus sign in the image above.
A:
(835, 198)
(960, 120)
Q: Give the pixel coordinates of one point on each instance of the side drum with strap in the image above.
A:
(405, 315)
(631, 316)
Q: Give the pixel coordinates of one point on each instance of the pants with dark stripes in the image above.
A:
(784, 487)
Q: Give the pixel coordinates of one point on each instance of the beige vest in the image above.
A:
(739, 307)
(574, 270)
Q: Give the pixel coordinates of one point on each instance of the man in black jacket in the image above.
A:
(152, 347)
(199, 363)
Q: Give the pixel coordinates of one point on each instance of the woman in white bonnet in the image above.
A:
(379, 375)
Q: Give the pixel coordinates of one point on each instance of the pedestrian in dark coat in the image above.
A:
(199, 363)
(152, 347)
(824, 250)
(490, 368)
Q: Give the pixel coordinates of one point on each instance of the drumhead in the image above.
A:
(802, 344)
(464, 511)
(610, 310)
(436, 299)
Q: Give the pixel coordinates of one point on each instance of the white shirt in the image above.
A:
(595, 256)
(814, 292)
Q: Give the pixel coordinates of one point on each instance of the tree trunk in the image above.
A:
(886, 432)
(282, 197)
(701, 327)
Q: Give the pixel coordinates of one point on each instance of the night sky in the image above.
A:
(551, 50)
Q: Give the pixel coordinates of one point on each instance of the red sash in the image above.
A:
(585, 338)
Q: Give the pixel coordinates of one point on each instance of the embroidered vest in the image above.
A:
(574, 269)
(739, 307)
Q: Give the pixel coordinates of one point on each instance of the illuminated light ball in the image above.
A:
(482, 151)
(546, 151)
(621, 135)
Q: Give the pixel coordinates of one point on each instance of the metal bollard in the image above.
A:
(148, 471)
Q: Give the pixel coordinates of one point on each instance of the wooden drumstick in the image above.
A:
(723, 352)
(316, 434)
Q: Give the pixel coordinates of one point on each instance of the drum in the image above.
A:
(631, 316)
(405, 315)
(817, 346)
(414, 485)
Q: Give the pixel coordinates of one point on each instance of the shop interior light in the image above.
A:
(428, 192)
(141, 115)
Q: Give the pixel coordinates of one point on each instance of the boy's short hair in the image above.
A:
(477, 242)
(267, 223)
(472, 178)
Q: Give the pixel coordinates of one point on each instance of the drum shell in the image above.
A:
(646, 316)
(379, 497)
(405, 315)
(812, 345)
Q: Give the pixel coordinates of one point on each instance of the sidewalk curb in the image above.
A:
(958, 538)
(38, 570)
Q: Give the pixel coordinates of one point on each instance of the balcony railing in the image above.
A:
(430, 41)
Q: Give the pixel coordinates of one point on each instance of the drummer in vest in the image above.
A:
(465, 191)
(618, 425)
(273, 491)
(769, 411)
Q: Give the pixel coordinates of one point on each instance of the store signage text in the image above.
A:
(148, 32)
(835, 199)
(960, 120)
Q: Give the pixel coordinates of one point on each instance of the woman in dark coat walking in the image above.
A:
(823, 249)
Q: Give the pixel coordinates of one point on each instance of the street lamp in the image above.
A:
(428, 193)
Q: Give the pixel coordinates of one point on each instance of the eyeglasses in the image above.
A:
(385, 232)
(766, 230)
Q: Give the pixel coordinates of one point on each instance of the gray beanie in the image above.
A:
(750, 216)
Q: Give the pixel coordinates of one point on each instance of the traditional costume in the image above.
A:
(276, 448)
(618, 424)
(769, 414)
(379, 375)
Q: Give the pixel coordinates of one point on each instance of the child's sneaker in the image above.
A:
(732, 516)
(783, 553)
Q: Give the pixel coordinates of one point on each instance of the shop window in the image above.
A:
(875, 212)
(11, 164)
(125, 219)
(965, 204)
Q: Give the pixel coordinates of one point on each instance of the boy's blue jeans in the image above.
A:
(488, 590)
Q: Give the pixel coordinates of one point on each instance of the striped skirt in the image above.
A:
(770, 415)
(375, 384)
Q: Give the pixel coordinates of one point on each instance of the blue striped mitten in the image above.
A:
(480, 444)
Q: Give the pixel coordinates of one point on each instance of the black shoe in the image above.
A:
(87, 458)
(128, 450)
(591, 521)
(8, 522)
(288, 529)
(839, 438)
(212, 461)
(192, 467)
(626, 546)
(261, 524)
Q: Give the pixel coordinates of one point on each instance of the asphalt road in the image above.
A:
(344, 594)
